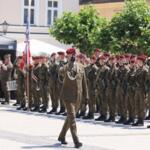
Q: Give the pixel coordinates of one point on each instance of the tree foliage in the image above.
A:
(81, 30)
(128, 30)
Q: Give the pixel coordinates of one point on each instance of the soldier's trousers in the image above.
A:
(36, 95)
(130, 103)
(110, 99)
(4, 89)
(102, 102)
(148, 100)
(120, 101)
(83, 105)
(53, 94)
(92, 102)
(139, 99)
(44, 93)
(59, 88)
(21, 93)
(70, 121)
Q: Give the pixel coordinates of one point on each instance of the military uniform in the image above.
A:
(6, 71)
(36, 87)
(101, 84)
(72, 95)
(139, 97)
(44, 92)
(91, 71)
(20, 80)
(53, 75)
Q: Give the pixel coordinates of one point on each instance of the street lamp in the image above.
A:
(5, 27)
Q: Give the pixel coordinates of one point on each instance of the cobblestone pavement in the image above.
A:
(21, 130)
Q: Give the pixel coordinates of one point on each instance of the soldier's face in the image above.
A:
(140, 63)
(101, 61)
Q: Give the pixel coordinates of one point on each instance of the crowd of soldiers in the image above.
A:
(118, 85)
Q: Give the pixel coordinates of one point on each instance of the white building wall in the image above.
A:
(12, 12)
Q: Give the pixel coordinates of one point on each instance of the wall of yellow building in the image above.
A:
(109, 9)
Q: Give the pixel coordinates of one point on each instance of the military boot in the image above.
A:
(89, 116)
(78, 115)
(54, 110)
(148, 117)
(78, 145)
(140, 122)
(121, 120)
(101, 118)
(110, 119)
(129, 121)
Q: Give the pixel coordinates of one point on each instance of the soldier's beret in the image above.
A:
(71, 51)
(93, 57)
(53, 54)
(121, 57)
(60, 53)
(132, 60)
(127, 56)
(142, 58)
(102, 57)
(111, 58)
(97, 50)
(81, 56)
(106, 54)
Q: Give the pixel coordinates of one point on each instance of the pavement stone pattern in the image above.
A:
(21, 130)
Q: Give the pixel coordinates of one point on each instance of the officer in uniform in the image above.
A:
(6, 70)
(53, 76)
(20, 80)
(111, 89)
(91, 72)
(36, 84)
(101, 85)
(139, 98)
(44, 80)
(74, 86)
(129, 98)
(61, 63)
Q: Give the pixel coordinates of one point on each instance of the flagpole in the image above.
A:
(27, 56)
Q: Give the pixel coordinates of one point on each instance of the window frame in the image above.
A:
(31, 8)
(52, 11)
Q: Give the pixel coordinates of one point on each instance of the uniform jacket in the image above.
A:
(73, 89)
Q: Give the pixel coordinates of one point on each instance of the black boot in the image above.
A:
(89, 116)
(52, 111)
(4, 103)
(20, 107)
(121, 120)
(101, 118)
(110, 119)
(148, 117)
(16, 104)
(63, 141)
(129, 121)
(78, 145)
(42, 110)
(62, 110)
(34, 109)
(25, 109)
(140, 122)
(78, 115)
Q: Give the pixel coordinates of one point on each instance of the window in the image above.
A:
(26, 12)
(52, 11)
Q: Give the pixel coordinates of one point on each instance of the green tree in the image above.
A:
(81, 30)
(128, 29)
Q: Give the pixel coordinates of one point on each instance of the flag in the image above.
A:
(26, 58)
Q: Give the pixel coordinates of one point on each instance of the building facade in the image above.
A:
(106, 8)
(42, 15)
